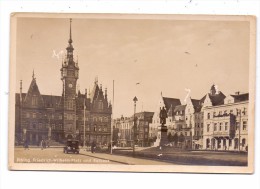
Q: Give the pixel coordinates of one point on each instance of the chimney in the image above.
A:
(237, 93)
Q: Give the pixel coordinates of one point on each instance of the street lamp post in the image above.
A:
(191, 133)
(49, 129)
(77, 134)
(135, 100)
(119, 134)
(239, 132)
(84, 129)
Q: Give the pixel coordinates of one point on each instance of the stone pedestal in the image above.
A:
(162, 138)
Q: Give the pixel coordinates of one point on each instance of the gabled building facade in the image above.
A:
(226, 125)
(169, 104)
(214, 122)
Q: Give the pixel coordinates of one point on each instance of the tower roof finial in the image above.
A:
(70, 40)
(96, 80)
(33, 76)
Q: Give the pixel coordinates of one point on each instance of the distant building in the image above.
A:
(143, 119)
(125, 129)
(57, 118)
(124, 125)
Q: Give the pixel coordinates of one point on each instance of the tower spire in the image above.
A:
(70, 47)
(33, 76)
(70, 40)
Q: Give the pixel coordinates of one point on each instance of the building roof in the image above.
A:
(217, 99)
(195, 102)
(144, 114)
(171, 102)
(240, 97)
(51, 101)
(179, 108)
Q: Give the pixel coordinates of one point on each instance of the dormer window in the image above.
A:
(34, 101)
(100, 105)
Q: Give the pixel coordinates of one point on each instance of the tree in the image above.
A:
(175, 138)
(170, 137)
(181, 138)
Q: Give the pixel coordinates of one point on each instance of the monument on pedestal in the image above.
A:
(162, 129)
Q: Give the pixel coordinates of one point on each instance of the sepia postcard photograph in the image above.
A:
(132, 93)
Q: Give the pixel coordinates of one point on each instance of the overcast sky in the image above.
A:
(161, 55)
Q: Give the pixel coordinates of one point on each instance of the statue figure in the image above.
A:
(163, 116)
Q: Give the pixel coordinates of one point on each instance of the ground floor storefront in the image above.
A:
(226, 143)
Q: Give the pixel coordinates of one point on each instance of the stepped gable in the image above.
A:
(95, 91)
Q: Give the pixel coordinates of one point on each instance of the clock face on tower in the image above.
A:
(70, 85)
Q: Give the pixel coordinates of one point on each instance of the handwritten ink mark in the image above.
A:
(57, 55)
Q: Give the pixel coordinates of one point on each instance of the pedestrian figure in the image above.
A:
(109, 147)
(93, 147)
(42, 144)
(26, 145)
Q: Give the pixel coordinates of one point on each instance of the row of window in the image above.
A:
(35, 115)
(226, 112)
(198, 133)
(140, 136)
(230, 142)
(224, 126)
(43, 126)
(95, 128)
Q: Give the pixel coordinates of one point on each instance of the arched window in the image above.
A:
(215, 126)
(207, 143)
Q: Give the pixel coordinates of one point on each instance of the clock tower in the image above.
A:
(69, 76)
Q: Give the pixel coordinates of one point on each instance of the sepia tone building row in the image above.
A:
(214, 122)
(58, 118)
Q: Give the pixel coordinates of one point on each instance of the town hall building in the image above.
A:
(58, 118)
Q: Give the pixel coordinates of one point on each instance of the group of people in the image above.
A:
(93, 147)
(43, 144)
